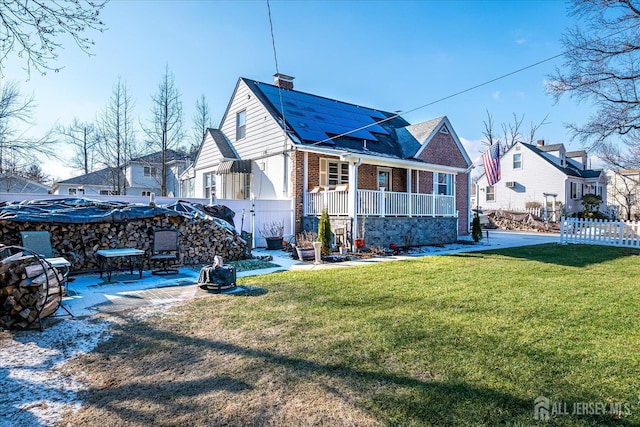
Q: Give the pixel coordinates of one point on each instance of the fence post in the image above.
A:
(562, 231)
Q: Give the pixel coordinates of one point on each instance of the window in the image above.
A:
(145, 193)
(236, 186)
(517, 161)
(576, 190)
(187, 188)
(333, 173)
(491, 194)
(209, 185)
(444, 184)
(241, 124)
(109, 193)
(150, 171)
(72, 192)
(384, 179)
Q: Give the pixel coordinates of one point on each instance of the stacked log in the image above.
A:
(519, 221)
(200, 239)
(30, 290)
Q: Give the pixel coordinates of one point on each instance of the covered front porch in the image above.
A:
(378, 203)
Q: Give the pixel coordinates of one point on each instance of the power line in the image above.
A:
(519, 70)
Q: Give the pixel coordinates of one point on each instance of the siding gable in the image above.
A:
(264, 136)
(209, 154)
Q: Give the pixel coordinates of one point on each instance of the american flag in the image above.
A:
(491, 160)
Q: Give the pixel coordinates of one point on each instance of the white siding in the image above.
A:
(263, 137)
(535, 178)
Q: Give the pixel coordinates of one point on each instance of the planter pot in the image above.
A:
(274, 243)
(306, 254)
(358, 243)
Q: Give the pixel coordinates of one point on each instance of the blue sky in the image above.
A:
(390, 55)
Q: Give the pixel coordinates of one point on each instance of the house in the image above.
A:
(623, 192)
(139, 177)
(371, 169)
(545, 174)
(12, 183)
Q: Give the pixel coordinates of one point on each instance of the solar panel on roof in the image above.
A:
(315, 117)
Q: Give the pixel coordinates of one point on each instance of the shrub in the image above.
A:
(533, 205)
(476, 228)
(324, 232)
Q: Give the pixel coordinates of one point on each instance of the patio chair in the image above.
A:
(165, 251)
(40, 243)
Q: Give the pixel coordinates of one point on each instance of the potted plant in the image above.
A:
(304, 245)
(273, 232)
(358, 242)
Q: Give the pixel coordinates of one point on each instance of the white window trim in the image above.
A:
(381, 169)
(450, 183)
(513, 162)
(243, 127)
(486, 193)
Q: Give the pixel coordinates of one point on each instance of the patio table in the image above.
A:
(110, 259)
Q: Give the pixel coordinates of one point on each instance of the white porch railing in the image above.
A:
(381, 203)
(600, 232)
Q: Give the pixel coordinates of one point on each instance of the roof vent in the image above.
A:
(283, 81)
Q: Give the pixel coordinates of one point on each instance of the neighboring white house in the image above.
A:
(624, 192)
(139, 177)
(12, 183)
(277, 143)
(544, 174)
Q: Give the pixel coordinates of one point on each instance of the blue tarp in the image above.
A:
(81, 210)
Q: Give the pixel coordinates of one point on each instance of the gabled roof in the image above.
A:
(102, 177)
(315, 120)
(223, 144)
(571, 169)
(156, 157)
(12, 183)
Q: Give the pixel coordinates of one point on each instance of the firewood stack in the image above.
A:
(200, 239)
(30, 290)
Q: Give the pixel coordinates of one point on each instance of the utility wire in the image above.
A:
(519, 70)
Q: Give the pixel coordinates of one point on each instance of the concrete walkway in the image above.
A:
(90, 294)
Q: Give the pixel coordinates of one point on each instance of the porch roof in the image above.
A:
(377, 160)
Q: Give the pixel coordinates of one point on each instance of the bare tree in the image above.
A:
(165, 126)
(511, 132)
(83, 136)
(15, 146)
(117, 135)
(34, 172)
(601, 67)
(201, 122)
(33, 28)
(624, 186)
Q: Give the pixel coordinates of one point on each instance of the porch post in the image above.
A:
(410, 191)
(305, 183)
(352, 195)
(383, 205)
(453, 192)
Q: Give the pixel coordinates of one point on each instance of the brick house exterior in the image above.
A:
(354, 161)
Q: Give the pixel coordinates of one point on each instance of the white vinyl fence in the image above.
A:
(600, 232)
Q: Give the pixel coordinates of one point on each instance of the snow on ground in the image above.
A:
(34, 392)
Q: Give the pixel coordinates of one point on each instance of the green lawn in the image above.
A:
(469, 339)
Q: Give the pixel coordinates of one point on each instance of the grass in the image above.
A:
(470, 339)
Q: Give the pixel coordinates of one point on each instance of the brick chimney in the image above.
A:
(283, 81)
(541, 143)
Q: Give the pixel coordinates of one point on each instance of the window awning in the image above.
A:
(234, 166)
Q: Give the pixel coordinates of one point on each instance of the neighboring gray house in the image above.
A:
(139, 177)
(12, 183)
(529, 172)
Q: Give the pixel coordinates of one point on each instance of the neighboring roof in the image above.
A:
(157, 157)
(102, 177)
(313, 120)
(571, 168)
(12, 183)
(552, 147)
(578, 153)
